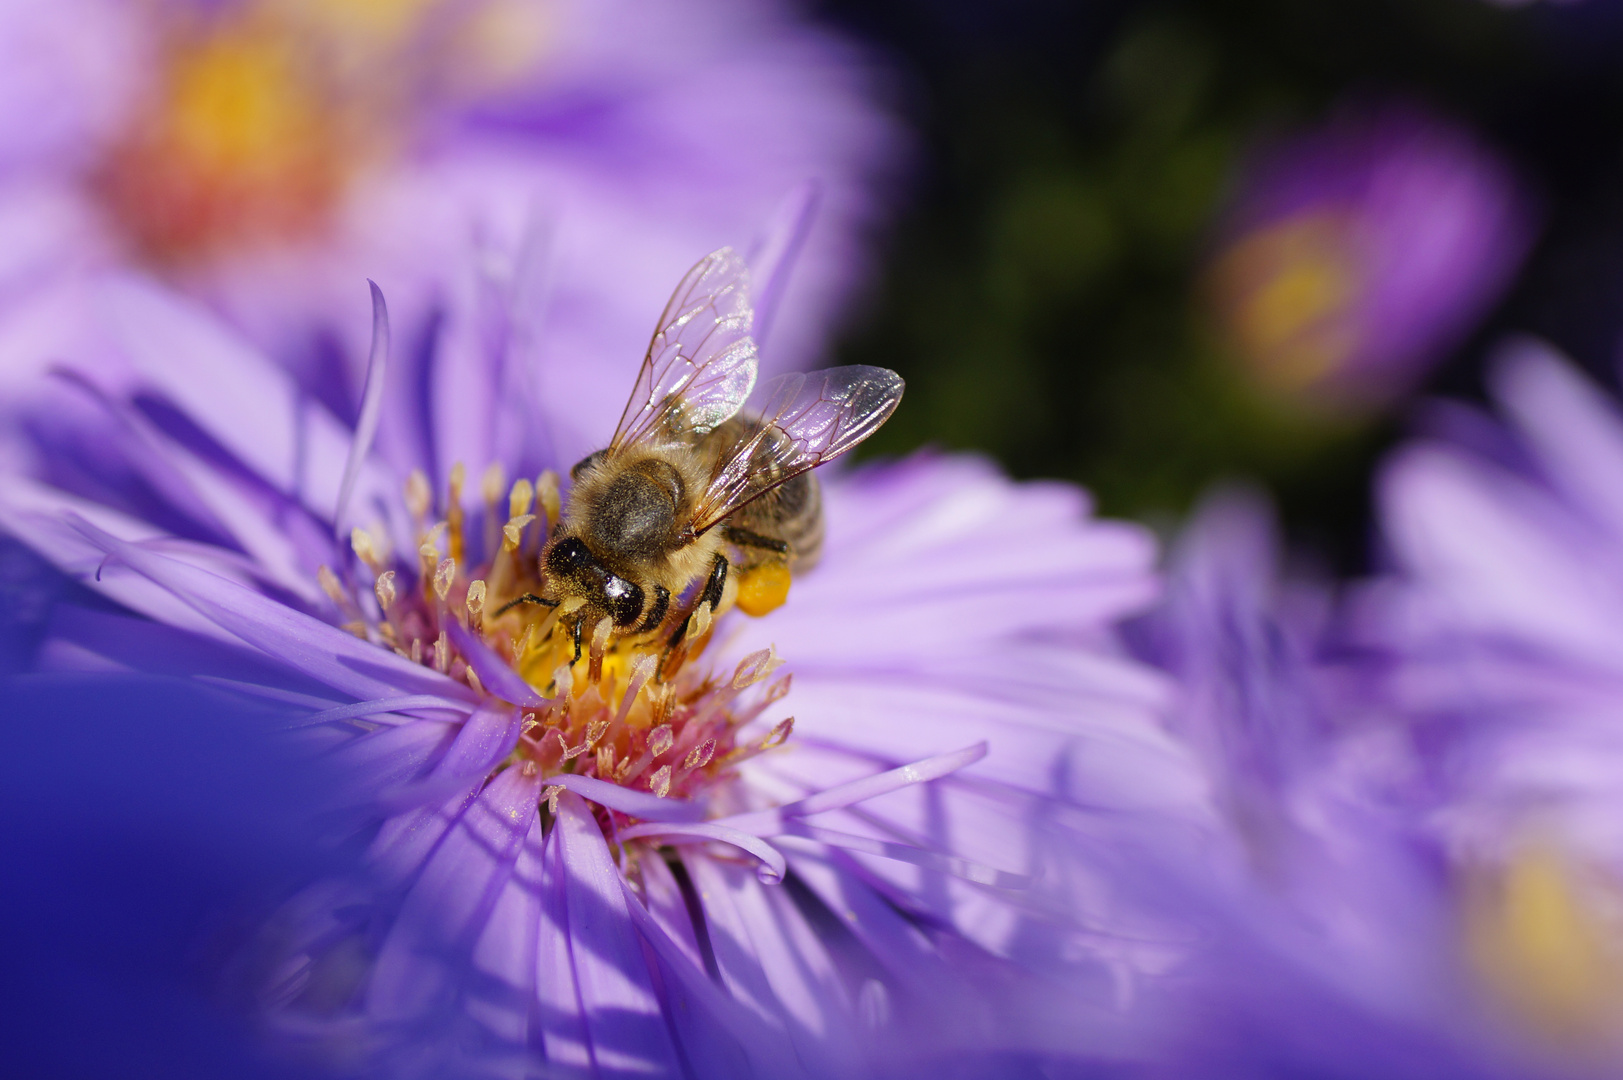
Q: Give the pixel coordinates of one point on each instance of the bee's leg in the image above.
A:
(527, 598)
(745, 538)
(714, 586)
(576, 635)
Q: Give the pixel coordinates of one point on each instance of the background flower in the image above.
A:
(1355, 256)
(1498, 618)
(1325, 934)
(268, 154)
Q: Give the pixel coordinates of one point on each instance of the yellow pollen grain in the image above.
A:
(763, 589)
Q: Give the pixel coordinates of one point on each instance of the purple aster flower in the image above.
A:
(641, 861)
(1328, 942)
(1354, 257)
(267, 154)
(1499, 621)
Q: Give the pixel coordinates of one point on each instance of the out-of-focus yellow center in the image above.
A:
(1538, 930)
(264, 115)
(1285, 294)
(240, 146)
(762, 589)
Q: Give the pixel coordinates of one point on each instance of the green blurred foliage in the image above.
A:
(1042, 295)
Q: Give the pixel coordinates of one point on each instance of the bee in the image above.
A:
(693, 488)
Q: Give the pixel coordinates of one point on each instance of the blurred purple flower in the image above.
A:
(1500, 621)
(1330, 947)
(266, 154)
(970, 765)
(1354, 257)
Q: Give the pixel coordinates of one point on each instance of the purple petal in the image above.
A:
(384, 705)
(366, 427)
(494, 673)
(323, 652)
(772, 865)
(908, 853)
(771, 822)
(451, 900)
(773, 961)
(486, 738)
(625, 1024)
(639, 804)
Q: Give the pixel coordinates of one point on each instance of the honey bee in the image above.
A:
(692, 487)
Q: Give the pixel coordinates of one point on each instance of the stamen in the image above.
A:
(442, 653)
(779, 734)
(476, 600)
(600, 644)
(660, 740)
(701, 623)
(418, 496)
(700, 755)
(491, 485)
(332, 587)
(520, 499)
(546, 493)
(660, 782)
(473, 680)
(443, 575)
(513, 531)
(605, 760)
(385, 589)
(522, 643)
(360, 541)
(453, 511)
(756, 667)
(430, 547)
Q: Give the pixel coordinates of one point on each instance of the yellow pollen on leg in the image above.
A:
(763, 589)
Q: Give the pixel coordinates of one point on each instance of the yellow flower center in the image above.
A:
(262, 117)
(1285, 294)
(1544, 933)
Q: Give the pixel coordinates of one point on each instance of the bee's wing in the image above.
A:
(809, 419)
(701, 362)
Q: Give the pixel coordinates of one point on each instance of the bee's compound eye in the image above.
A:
(624, 600)
(586, 464)
(568, 557)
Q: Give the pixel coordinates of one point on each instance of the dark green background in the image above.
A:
(1039, 288)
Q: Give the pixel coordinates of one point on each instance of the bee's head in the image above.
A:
(572, 570)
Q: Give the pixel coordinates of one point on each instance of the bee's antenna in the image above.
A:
(527, 598)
